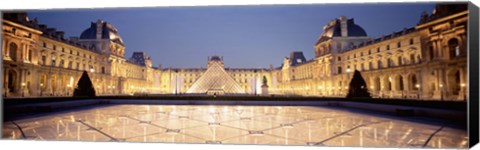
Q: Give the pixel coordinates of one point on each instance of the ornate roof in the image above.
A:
(108, 31)
(334, 29)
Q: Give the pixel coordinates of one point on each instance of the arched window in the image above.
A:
(389, 62)
(414, 83)
(379, 64)
(454, 48)
(13, 51)
(412, 58)
(400, 61)
(400, 83)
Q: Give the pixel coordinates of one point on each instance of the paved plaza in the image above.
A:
(266, 125)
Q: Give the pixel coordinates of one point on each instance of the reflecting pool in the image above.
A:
(271, 125)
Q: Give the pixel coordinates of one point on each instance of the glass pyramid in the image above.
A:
(216, 80)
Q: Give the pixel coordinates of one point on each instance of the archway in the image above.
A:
(12, 79)
(399, 83)
(454, 82)
(387, 84)
(413, 82)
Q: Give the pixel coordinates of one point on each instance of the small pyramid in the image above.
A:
(358, 86)
(84, 86)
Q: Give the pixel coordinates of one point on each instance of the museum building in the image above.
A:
(425, 61)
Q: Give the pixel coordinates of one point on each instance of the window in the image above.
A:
(389, 62)
(62, 63)
(400, 62)
(13, 51)
(53, 61)
(78, 53)
(378, 49)
(44, 45)
(339, 70)
(388, 47)
(70, 63)
(30, 54)
(63, 49)
(339, 58)
(430, 51)
(411, 41)
(454, 48)
(379, 64)
(71, 51)
(362, 67)
(370, 65)
(361, 53)
(398, 45)
(54, 47)
(412, 58)
(78, 66)
(44, 59)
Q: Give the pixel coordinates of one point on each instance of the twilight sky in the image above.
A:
(246, 36)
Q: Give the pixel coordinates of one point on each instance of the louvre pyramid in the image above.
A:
(216, 78)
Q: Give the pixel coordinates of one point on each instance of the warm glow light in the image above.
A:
(462, 85)
(23, 84)
(91, 70)
(441, 85)
(372, 87)
(348, 70)
(417, 85)
(41, 84)
(320, 87)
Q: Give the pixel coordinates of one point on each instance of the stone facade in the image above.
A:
(427, 61)
(39, 61)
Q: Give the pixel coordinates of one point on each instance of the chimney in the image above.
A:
(99, 29)
(343, 26)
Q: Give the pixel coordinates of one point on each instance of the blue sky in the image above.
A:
(246, 36)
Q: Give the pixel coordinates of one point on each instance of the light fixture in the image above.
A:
(23, 84)
(417, 85)
(348, 70)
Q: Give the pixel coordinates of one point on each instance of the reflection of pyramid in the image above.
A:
(216, 79)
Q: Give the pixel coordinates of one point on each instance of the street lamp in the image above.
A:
(441, 91)
(41, 89)
(463, 85)
(418, 90)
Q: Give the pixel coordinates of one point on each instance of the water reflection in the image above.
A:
(234, 125)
